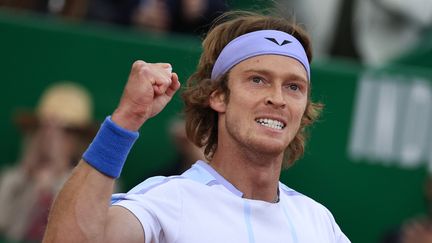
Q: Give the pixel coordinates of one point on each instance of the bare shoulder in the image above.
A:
(123, 226)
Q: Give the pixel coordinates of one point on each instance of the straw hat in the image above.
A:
(68, 103)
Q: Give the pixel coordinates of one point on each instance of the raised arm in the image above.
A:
(81, 211)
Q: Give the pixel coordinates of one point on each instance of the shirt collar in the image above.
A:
(202, 172)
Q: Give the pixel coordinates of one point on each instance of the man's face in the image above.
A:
(268, 97)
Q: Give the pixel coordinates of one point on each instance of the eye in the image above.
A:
(294, 87)
(257, 80)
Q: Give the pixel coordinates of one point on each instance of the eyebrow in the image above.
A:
(290, 76)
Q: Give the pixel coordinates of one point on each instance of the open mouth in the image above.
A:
(275, 124)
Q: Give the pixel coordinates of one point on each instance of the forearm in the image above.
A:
(79, 213)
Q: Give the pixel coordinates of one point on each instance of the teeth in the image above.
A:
(270, 123)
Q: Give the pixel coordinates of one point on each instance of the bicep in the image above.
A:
(123, 226)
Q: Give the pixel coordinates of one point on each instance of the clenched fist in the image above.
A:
(148, 90)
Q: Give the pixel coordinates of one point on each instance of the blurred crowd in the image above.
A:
(371, 31)
(182, 16)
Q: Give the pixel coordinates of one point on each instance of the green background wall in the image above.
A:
(366, 199)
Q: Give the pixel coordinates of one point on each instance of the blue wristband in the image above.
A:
(109, 149)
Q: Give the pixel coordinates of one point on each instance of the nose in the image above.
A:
(275, 98)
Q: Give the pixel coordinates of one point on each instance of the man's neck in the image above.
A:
(257, 177)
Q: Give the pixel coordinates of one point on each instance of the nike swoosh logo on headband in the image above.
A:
(276, 42)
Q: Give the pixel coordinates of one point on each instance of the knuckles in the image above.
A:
(140, 67)
(151, 71)
(138, 64)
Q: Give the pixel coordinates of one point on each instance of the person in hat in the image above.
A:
(247, 105)
(54, 138)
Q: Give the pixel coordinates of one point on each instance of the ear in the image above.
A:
(217, 101)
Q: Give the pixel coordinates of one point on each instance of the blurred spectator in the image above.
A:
(111, 11)
(320, 18)
(386, 29)
(187, 152)
(184, 16)
(72, 9)
(418, 229)
(35, 5)
(373, 31)
(54, 139)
